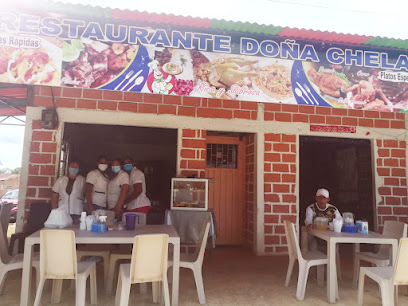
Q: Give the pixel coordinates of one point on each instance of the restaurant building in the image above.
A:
(269, 114)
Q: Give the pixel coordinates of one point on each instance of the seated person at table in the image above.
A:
(321, 208)
(69, 192)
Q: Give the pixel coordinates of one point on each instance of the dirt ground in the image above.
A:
(232, 276)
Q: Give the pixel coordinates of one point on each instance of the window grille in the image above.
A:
(222, 155)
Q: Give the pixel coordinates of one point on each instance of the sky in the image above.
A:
(11, 144)
(362, 17)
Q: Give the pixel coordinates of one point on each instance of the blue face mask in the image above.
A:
(116, 169)
(73, 171)
(128, 167)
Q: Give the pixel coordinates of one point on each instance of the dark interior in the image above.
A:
(154, 151)
(343, 166)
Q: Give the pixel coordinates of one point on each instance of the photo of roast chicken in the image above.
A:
(331, 84)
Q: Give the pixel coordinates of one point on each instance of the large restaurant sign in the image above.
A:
(72, 49)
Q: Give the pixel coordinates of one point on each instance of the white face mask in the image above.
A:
(103, 167)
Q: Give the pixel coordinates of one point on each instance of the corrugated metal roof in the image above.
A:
(16, 95)
(324, 36)
(6, 176)
(160, 18)
(387, 42)
(245, 27)
(226, 25)
(13, 92)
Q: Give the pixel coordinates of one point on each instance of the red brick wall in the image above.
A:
(333, 116)
(391, 167)
(213, 108)
(280, 188)
(250, 190)
(193, 153)
(280, 149)
(146, 103)
(42, 164)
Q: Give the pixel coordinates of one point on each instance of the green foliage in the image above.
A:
(10, 171)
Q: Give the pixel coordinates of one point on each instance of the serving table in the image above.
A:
(110, 237)
(332, 238)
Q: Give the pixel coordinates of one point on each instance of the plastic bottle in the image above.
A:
(82, 222)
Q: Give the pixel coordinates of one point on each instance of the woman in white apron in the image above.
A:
(97, 186)
(69, 192)
(136, 200)
(117, 188)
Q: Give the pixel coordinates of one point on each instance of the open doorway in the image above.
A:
(154, 151)
(344, 167)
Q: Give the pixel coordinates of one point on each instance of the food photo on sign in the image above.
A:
(30, 60)
(178, 64)
(95, 64)
(108, 50)
(357, 87)
(224, 76)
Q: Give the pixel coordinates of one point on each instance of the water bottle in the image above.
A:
(82, 222)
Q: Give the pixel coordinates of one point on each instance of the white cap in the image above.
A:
(322, 192)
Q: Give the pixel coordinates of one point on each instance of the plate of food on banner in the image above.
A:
(96, 64)
(176, 68)
(37, 64)
(356, 87)
(228, 76)
(274, 80)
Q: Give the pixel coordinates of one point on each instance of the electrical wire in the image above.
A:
(53, 102)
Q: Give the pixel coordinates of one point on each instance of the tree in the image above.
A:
(10, 171)
(16, 170)
(5, 171)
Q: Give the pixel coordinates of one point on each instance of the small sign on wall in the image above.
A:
(332, 128)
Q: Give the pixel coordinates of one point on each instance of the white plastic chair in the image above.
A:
(58, 261)
(10, 263)
(305, 260)
(387, 277)
(102, 251)
(123, 254)
(194, 261)
(5, 211)
(148, 264)
(305, 248)
(394, 229)
(97, 251)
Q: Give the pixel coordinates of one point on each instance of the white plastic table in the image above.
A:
(333, 238)
(110, 237)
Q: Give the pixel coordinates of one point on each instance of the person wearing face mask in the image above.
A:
(117, 188)
(69, 192)
(97, 186)
(136, 200)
